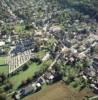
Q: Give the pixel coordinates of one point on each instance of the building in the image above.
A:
(25, 91)
(23, 45)
(52, 76)
(31, 88)
(95, 63)
(2, 43)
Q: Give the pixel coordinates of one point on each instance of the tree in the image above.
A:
(8, 86)
(29, 80)
(25, 67)
(36, 75)
(2, 78)
(85, 63)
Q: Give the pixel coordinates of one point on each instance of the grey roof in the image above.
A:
(28, 89)
(23, 45)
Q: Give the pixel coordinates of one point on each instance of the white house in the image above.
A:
(2, 43)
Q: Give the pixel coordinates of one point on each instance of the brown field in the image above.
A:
(59, 91)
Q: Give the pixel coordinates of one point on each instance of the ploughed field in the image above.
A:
(59, 91)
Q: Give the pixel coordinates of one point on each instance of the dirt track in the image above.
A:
(58, 91)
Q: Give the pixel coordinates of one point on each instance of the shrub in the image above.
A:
(28, 80)
(36, 60)
(8, 86)
(25, 67)
(2, 78)
(75, 84)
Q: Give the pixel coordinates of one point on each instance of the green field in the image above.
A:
(2, 60)
(19, 28)
(41, 54)
(3, 67)
(23, 75)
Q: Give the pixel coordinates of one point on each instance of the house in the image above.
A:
(48, 77)
(52, 76)
(94, 86)
(9, 39)
(31, 88)
(39, 34)
(95, 63)
(2, 51)
(57, 75)
(46, 57)
(38, 86)
(55, 29)
(41, 80)
(81, 55)
(2, 43)
(27, 90)
(65, 50)
(84, 77)
(90, 72)
(17, 96)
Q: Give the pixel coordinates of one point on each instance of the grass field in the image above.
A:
(2, 60)
(3, 67)
(59, 91)
(19, 28)
(23, 75)
(41, 54)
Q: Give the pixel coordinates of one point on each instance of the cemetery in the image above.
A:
(16, 62)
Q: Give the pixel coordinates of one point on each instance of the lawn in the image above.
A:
(2, 60)
(41, 54)
(19, 28)
(23, 75)
(3, 67)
